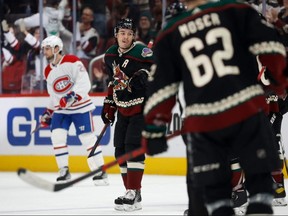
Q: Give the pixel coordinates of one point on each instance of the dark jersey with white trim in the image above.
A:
(212, 49)
(121, 68)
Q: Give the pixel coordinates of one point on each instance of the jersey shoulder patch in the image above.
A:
(146, 52)
(143, 49)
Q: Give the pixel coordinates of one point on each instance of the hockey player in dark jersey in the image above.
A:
(278, 106)
(128, 65)
(211, 48)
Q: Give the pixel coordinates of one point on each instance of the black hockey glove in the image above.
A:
(108, 111)
(155, 140)
(139, 80)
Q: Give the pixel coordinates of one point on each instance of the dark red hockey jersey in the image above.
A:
(212, 49)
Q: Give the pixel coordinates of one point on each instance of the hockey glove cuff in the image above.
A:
(108, 111)
(155, 139)
(46, 117)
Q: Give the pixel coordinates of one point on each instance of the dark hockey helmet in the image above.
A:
(174, 9)
(125, 24)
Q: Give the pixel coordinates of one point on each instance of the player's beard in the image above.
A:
(50, 58)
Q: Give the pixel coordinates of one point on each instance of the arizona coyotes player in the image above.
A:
(211, 49)
(128, 65)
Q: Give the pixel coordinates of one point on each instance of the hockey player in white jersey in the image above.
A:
(68, 85)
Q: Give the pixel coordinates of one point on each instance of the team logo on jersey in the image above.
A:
(147, 52)
(62, 84)
(120, 79)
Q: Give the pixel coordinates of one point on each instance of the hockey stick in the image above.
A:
(98, 140)
(283, 153)
(41, 183)
(36, 128)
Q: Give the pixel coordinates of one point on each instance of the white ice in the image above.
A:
(162, 195)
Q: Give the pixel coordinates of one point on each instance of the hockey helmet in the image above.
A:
(52, 41)
(125, 24)
(174, 9)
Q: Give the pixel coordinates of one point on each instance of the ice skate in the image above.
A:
(239, 197)
(64, 175)
(119, 203)
(279, 196)
(186, 212)
(132, 200)
(101, 179)
(240, 210)
(240, 201)
(279, 202)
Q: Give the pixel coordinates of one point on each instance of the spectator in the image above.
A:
(145, 31)
(33, 70)
(87, 36)
(14, 52)
(99, 9)
(52, 22)
(100, 77)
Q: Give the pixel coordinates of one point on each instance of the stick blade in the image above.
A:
(34, 180)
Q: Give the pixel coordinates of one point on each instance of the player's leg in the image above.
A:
(255, 144)
(239, 192)
(59, 129)
(277, 175)
(119, 144)
(135, 166)
(83, 123)
(196, 205)
(210, 172)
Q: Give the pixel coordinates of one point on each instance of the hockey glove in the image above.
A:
(68, 100)
(108, 111)
(155, 139)
(138, 80)
(46, 117)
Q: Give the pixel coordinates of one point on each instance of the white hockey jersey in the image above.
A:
(52, 22)
(68, 75)
(86, 48)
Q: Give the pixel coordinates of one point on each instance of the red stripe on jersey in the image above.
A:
(47, 71)
(60, 147)
(69, 58)
(225, 119)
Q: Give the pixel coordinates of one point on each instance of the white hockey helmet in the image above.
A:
(52, 41)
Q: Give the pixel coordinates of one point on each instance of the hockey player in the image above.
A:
(211, 48)
(196, 203)
(68, 85)
(128, 65)
(278, 106)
